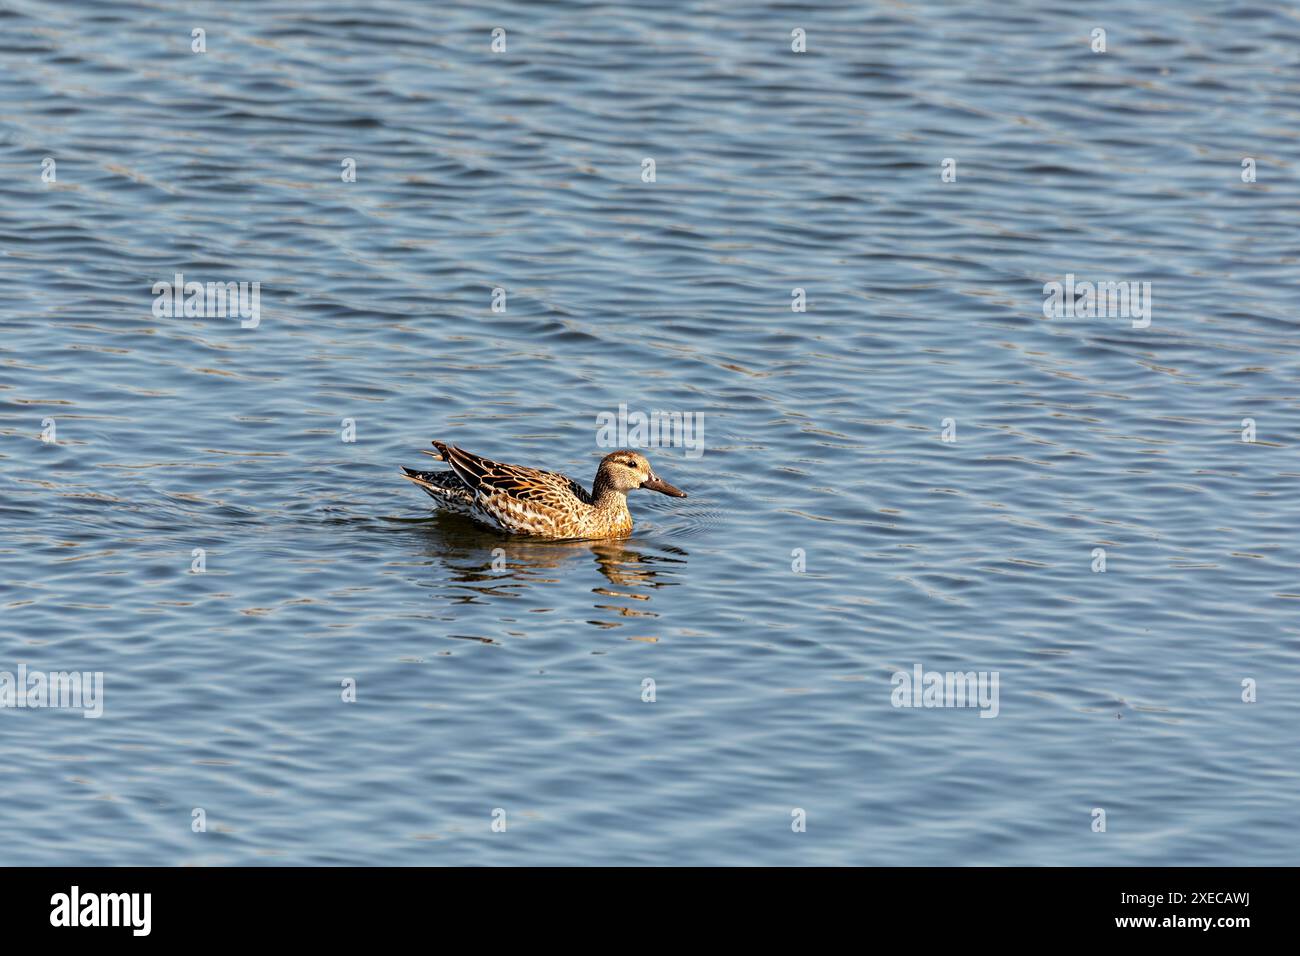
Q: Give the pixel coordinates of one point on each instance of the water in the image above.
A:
(521, 689)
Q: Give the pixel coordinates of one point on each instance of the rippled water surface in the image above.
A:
(520, 687)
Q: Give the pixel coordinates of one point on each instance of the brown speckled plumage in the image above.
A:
(523, 500)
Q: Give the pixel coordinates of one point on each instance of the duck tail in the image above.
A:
(420, 478)
(443, 486)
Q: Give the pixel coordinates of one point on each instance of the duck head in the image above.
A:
(628, 470)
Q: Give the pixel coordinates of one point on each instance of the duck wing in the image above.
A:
(488, 478)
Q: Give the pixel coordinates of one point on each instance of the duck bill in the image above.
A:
(655, 483)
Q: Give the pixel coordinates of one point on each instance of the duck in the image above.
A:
(520, 500)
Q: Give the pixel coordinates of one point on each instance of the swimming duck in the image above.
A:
(522, 500)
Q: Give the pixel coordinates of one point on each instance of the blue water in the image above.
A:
(519, 688)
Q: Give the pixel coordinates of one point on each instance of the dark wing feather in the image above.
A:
(470, 467)
(546, 488)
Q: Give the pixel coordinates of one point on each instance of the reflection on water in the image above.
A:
(479, 565)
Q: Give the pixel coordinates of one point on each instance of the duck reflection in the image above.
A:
(484, 566)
